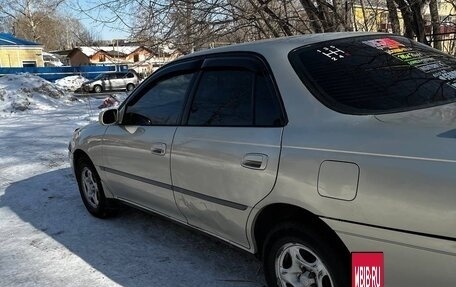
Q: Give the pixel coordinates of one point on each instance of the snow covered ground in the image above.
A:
(28, 92)
(47, 238)
(71, 83)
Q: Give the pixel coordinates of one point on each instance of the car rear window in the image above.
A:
(376, 74)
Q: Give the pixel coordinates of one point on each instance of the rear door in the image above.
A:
(137, 151)
(117, 81)
(108, 82)
(225, 157)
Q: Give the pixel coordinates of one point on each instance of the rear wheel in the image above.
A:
(130, 87)
(97, 89)
(296, 255)
(91, 190)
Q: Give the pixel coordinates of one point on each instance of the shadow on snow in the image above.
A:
(132, 249)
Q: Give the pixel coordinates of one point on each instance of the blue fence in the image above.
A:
(55, 73)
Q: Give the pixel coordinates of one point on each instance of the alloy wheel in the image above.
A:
(298, 266)
(90, 187)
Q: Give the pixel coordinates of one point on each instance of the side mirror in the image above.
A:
(108, 117)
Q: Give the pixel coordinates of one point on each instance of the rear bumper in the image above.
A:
(410, 260)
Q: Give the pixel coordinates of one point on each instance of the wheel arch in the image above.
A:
(107, 206)
(79, 154)
(270, 216)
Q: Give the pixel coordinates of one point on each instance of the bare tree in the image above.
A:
(192, 24)
(5, 24)
(393, 17)
(31, 12)
(53, 31)
(435, 23)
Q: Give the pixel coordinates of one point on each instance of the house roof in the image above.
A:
(7, 39)
(90, 51)
(61, 52)
(113, 53)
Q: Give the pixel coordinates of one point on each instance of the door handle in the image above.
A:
(255, 161)
(158, 148)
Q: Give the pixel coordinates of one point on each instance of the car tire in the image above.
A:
(316, 261)
(130, 87)
(91, 190)
(97, 89)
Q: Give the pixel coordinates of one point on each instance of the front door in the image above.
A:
(137, 151)
(225, 160)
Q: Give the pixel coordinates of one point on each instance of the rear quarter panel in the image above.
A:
(405, 204)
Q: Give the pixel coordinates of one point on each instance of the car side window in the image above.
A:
(161, 104)
(235, 98)
(267, 106)
(223, 98)
(130, 75)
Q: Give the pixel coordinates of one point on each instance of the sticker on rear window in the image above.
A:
(416, 59)
(387, 45)
(332, 52)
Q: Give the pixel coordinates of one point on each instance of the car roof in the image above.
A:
(283, 43)
(120, 73)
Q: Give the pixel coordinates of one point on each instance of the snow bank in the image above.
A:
(71, 83)
(28, 92)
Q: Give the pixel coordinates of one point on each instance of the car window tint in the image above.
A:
(160, 105)
(267, 106)
(223, 98)
(121, 75)
(130, 75)
(372, 74)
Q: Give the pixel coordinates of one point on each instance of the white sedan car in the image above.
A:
(300, 150)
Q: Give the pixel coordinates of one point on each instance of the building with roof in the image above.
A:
(16, 52)
(142, 59)
(109, 55)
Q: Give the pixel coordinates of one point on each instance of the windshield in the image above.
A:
(376, 74)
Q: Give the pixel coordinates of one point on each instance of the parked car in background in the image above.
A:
(112, 81)
(300, 150)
